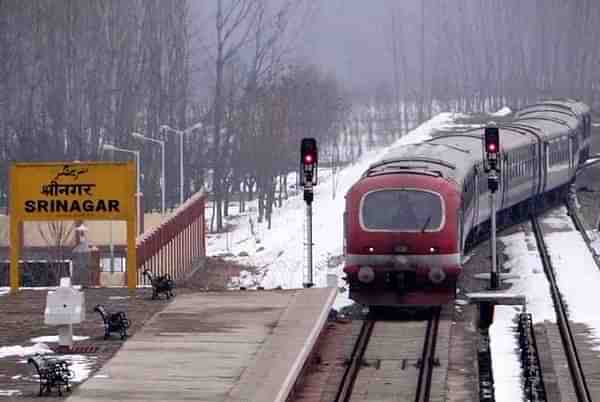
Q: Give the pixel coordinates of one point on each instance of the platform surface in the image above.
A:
(227, 346)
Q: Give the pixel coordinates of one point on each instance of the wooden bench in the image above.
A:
(53, 373)
(160, 284)
(113, 322)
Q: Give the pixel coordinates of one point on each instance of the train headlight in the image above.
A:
(366, 274)
(436, 275)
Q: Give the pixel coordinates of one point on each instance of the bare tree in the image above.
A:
(58, 236)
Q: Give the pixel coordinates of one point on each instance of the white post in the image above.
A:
(65, 335)
(138, 194)
(181, 167)
(162, 178)
(111, 247)
(309, 243)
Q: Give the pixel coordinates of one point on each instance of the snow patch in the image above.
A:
(524, 261)
(504, 347)
(10, 392)
(81, 366)
(18, 350)
(505, 111)
(577, 276)
(54, 338)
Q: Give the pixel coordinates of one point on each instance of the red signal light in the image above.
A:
(309, 161)
(308, 151)
(492, 140)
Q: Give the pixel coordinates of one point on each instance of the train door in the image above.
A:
(476, 199)
(534, 169)
(504, 180)
(545, 162)
(571, 150)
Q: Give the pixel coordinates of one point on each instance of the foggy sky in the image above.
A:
(351, 39)
(348, 38)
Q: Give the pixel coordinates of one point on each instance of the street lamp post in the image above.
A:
(110, 147)
(181, 134)
(162, 177)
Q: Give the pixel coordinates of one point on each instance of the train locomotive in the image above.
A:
(410, 217)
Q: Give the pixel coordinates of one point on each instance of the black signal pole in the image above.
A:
(492, 167)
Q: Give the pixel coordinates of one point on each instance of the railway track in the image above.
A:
(416, 368)
(575, 368)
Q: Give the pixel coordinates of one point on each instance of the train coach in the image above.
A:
(411, 216)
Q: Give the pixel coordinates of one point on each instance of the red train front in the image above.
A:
(402, 242)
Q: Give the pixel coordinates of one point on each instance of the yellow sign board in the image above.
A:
(72, 191)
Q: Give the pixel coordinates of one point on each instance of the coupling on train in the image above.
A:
(410, 217)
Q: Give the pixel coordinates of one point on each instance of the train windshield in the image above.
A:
(402, 210)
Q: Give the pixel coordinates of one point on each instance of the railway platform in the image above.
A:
(227, 346)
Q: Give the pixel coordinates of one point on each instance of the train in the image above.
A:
(413, 214)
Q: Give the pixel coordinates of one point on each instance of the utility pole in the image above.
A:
(422, 97)
(309, 161)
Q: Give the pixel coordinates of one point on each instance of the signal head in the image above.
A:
(308, 151)
(309, 159)
(492, 140)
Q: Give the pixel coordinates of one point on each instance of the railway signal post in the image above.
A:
(309, 162)
(492, 168)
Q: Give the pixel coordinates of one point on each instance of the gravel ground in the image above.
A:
(22, 320)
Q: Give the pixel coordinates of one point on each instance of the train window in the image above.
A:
(402, 210)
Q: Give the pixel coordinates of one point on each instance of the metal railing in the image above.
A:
(176, 245)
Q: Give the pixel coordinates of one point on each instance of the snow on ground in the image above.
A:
(577, 275)
(280, 252)
(18, 350)
(10, 392)
(504, 347)
(54, 338)
(577, 278)
(80, 365)
(525, 262)
(502, 112)
(5, 289)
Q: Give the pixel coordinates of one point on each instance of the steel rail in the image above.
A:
(568, 341)
(347, 384)
(428, 360)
